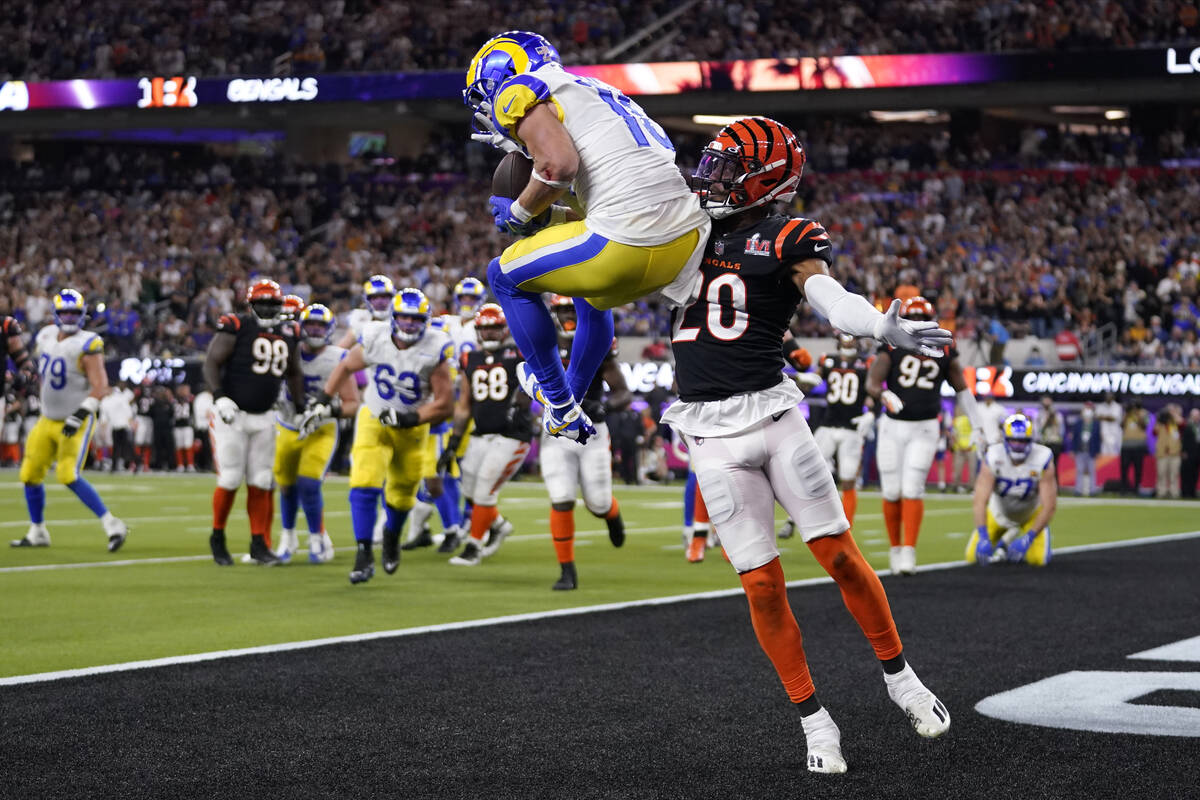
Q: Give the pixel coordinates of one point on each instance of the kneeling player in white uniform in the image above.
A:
(408, 387)
(490, 396)
(749, 445)
(568, 466)
(301, 462)
(71, 363)
(1016, 494)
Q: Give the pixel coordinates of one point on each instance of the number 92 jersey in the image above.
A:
(728, 341)
(400, 378)
(1015, 495)
(253, 374)
(60, 363)
(917, 381)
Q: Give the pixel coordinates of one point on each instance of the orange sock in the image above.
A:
(222, 502)
(482, 518)
(179, 459)
(861, 591)
(850, 504)
(614, 510)
(562, 530)
(776, 628)
(700, 512)
(912, 511)
(260, 505)
(891, 520)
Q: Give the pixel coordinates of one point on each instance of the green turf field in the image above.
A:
(165, 597)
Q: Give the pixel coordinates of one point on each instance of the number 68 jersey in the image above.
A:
(400, 378)
(1015, 496)
(492, 381)
(64, 383)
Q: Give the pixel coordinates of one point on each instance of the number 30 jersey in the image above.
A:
(60, 363)
(1016, 492)
(253, 374)
(728, 341)
(846, 391)
(492, 381)
(400, 378)
(917, 381)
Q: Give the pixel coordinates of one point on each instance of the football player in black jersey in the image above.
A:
(14, 348)
(908, 432)
(568, 466)
(845, 426)
(749, 445)
(249, 357)
(490, 395)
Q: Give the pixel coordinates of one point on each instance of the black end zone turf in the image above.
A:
(667, 702)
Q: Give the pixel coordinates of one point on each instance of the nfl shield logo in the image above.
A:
(719, 247)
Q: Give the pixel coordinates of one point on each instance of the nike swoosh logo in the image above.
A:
(822, 247)
(508, 105)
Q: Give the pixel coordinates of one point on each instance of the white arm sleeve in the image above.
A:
(966, 402)
(849, 313)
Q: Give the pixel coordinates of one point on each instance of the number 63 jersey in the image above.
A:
(400, 378)
(254, 372)
(1015, 495)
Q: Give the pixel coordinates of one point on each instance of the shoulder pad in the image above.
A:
(93, 345)
(516, 96)
(11, 327)
(229, 323)
(801, 239)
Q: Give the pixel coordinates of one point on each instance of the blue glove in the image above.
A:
(507, 223)
(1020, 546)
(983, 550)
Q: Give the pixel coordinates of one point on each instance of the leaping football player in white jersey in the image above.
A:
(71, 363)
(1016, 495)
(408, 388)
(634, 227)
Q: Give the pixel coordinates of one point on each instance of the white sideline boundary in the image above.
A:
(283, 647)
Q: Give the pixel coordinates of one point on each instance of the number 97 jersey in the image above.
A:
(1015, 496)
(400, 378)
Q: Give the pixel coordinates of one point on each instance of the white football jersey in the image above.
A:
(461, 332)
(64, 383)
(357, 319)
(1015, 495)
(400, 378)
(317, 367)
(627, 182)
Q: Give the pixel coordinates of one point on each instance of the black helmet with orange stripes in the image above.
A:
(749, 163)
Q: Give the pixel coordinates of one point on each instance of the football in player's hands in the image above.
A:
(511, 176)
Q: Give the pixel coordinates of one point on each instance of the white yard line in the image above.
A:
(283, 647)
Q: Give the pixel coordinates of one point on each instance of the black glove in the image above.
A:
(79, 416)
(446, 459)
(395, 418)
(332, 402)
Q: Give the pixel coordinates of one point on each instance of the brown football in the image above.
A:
(511, 175)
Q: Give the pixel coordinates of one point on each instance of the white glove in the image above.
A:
(891, 401)
(924, 337)
(313, 418)
(979, 441)
(226, 409)
(808, 380)
(865, 424)
(492, 137)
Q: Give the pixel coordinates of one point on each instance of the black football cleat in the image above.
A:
(616, 530)
(364, 564)
(450, 542)
(261, 554)
(391, 550)
(422, 539)
(220, 552)
(568, 580)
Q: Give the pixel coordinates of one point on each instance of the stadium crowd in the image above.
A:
(63, 39)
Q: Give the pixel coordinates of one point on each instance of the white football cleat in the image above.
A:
(320, 548)
(894, 559)
(288, 544)
(500, 530)
(115, 530)
(906, 561)
(38, 536)
(928, 716)
(824, 742)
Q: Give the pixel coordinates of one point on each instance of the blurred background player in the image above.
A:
(962, 456)
(408, 387)
(1083, 441)
(490, 397)
(143, 425)
(301, 462)
(845, 426)
(249, 358)
(10, 443)
(907, 436)
(697, 529)
(378, 292)
(15, 351)
(641, 228)
(71, 364)
(567, 467)
(184, 433)
(749, 445)
(1015, 498)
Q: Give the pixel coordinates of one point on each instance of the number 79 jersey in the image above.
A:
(400, 378)
(1015, 495)
(60, 363)
(917, 381)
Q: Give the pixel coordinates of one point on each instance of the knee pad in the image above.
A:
(912, 485)
(719, 496)
(229, 479)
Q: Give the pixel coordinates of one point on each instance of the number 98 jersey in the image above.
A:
(253, 374)
(400, 378)
(492, 381)
(917, 381)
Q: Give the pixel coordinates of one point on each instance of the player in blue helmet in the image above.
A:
(468, 297)
(410, 315)
(1016, 494)
(631, 228)
(378, 291)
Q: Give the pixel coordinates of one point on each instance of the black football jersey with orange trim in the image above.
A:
(728, 341)
(917, 381)
(254, 372)
(9, 327)
(845, 390)
(492, 381)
